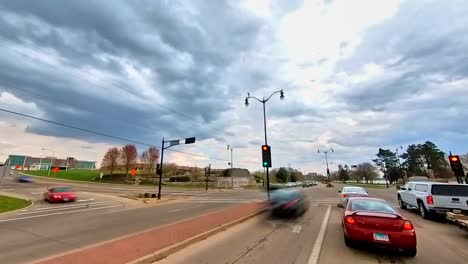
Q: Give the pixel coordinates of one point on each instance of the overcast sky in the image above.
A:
(357, 75)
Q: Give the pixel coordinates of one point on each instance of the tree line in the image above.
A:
(127, 158)
(418, 160)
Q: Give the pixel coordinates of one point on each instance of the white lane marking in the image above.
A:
(182, 209)
(61, 208)
(226, 202)
(6, 190)
(36, 192)
(67, 206)
(315, 254)
(90, 199)
(296, 229)
(59, 213)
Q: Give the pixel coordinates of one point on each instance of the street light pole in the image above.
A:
(231, 163)
(264, 101)
(326, 161)
(51, 160)
(401, 167)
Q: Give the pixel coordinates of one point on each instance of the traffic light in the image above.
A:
(456, 165)
(266, 156)
(328, 172)
(158, 169)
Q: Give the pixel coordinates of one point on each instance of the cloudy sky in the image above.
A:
(357, 75)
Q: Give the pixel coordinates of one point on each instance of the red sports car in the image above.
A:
(59, 194)
(373, 221)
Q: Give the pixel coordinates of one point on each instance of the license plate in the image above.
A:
(457, 211)
(65, 199)
(380, 237)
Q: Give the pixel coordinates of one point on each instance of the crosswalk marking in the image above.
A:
(57, 213)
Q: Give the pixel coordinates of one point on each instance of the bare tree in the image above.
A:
(110, 160)
(128, 157)
(149, 158)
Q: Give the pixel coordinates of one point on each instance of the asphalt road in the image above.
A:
(99, 215)
(9, 183)
(266, 240)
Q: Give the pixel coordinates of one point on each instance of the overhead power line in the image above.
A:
(74, 127)
(108, 135)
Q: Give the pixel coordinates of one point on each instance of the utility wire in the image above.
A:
(108, 135)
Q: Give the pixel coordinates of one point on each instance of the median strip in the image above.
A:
(10, 204)
(153, 244)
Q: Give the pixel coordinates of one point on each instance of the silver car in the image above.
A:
(352, 191)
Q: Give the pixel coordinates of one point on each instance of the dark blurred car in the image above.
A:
(288, 202)
(372, 221)
(24, 178)
(277, 186)
(60, 194)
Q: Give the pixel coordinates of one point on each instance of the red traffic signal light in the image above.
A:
(264, 147)
(456, 165)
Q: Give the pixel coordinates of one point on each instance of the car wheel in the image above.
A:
(348, 241)
(401, 203)
(423, 211)
(411, 252)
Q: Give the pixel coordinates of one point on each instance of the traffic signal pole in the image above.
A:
(171, 143)
(266, 143)
(161, 170)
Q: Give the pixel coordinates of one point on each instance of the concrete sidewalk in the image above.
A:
(137, 246)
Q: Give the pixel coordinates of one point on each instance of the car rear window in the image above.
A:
(353, 190)
(450, 190)
(61, 189)
(372, 206)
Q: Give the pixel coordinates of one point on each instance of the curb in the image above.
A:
(163, 253)
(23, 208)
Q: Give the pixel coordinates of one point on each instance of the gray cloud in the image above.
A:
(180, 45)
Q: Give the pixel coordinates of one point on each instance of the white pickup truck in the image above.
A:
(432, 198)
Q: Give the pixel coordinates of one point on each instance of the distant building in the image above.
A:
(38, 163)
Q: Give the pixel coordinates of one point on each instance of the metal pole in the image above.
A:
(328, 170)
(161, 168)
(266, 143)
(51, 162)
(232, 175)
(401, 167)
(206, 178)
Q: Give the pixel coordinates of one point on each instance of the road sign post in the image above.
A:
(55, 170)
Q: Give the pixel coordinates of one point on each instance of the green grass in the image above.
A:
(10, 203)
(77, 175)
(368, 185)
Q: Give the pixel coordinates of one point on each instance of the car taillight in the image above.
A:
(343, 195)
(430, 200)
(408, 226)
(350, 220)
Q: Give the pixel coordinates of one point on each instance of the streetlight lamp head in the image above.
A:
(246, 102)
(281, 95)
